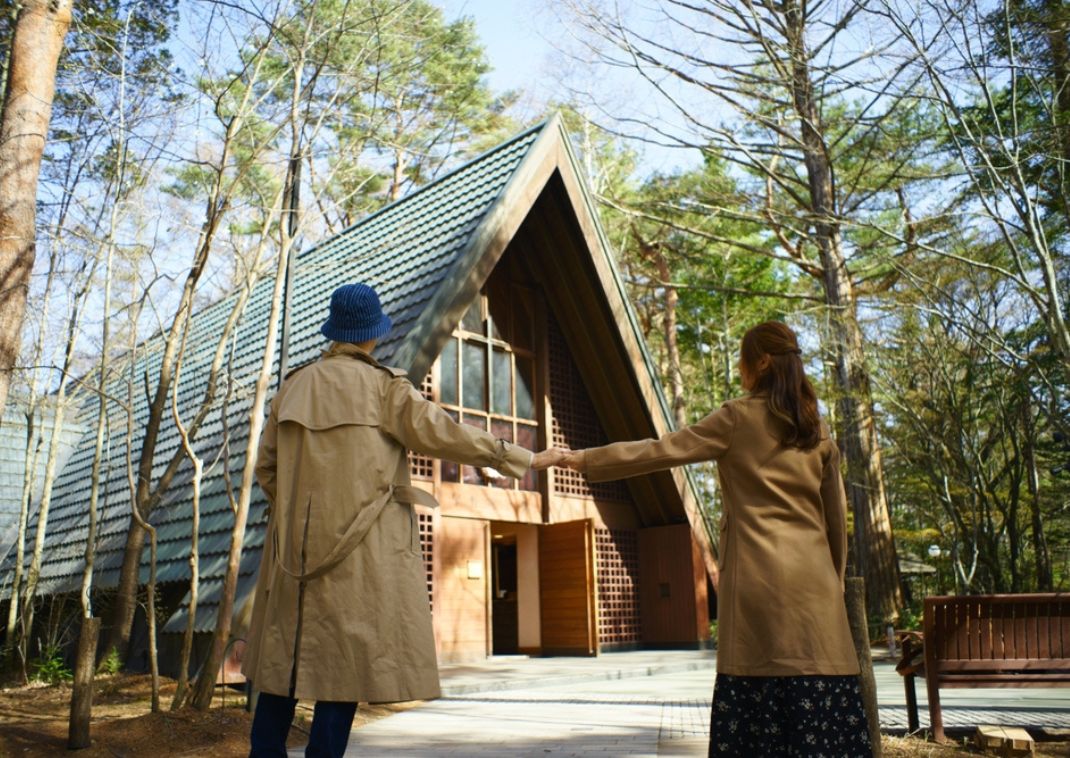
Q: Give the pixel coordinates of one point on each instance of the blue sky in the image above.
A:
(522, 38)
(510, 31)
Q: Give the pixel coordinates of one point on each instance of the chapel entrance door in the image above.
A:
(566, 588)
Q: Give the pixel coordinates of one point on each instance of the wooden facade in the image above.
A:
(551, 564)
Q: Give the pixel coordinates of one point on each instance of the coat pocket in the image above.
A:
(414, 530)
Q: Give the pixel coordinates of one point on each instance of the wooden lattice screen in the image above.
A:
(420, 466)
(617, 566)
(427, 548)
(575, 424)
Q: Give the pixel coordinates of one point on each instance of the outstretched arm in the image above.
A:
(704, 441)
(426, 429)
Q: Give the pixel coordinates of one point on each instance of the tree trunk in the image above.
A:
(194, 553)
(147, 495)
(290, 213)
(31, 81)
(85, 662)
(34, 572)
(33, 449)
(201, 697)
(82, 692)
(1041, 557)
(874, 548)
(672, 344)
(855, 600)
(30, 464)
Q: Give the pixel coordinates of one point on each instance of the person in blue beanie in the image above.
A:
(340, 612)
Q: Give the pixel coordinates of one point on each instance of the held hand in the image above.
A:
(573, 459)
(552, 456)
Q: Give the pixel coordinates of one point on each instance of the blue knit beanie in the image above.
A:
(356, 315)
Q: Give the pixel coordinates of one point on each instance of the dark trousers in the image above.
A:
(331, 723)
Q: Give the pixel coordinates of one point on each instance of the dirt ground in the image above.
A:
(33, 724)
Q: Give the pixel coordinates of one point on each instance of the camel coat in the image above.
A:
(340, 610)
(783, 545)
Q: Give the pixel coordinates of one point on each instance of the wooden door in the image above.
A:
(566, 588)
(461, 590)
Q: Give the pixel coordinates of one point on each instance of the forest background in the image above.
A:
(888, 178)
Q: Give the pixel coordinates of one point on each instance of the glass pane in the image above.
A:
(498, 312)
(502, 430)
(470, 475)
(447, 371)
(525, 387)
(523, 331)
(473, 319)
(474, 369)
(502, 396)
(527, 437)
(451, 472)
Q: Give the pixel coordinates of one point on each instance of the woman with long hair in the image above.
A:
(787, 674)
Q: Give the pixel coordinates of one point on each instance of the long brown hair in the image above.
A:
(790, 396)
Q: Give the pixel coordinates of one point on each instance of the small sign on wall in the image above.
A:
(475, 569)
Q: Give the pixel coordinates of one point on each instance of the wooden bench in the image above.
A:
(990, 641)
(911, 663)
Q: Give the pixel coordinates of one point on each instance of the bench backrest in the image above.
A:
(1019, 632)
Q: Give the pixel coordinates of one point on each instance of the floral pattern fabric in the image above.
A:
(812, 716)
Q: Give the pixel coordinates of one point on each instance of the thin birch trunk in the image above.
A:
(201, 697)
(33, 574)
(82, 692)
(29, 472)
(198, 474)
(150, 604)
(194, 555)
(149, 494)
(202, 693)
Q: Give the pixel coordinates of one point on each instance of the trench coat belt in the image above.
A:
(356, 531)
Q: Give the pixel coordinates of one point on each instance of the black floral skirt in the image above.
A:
(788, 716)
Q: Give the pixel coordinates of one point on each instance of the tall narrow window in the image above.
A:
(487, 376)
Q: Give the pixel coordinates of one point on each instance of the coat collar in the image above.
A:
(348, 348)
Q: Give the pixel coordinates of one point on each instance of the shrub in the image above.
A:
(110, 663)
(910, 618)
(50, 667)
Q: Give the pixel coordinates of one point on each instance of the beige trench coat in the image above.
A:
(332, 452)
(783, 545)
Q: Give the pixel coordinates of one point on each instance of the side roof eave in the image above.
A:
(482, 252)
(642, 363)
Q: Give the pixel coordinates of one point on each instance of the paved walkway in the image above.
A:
(628, 704)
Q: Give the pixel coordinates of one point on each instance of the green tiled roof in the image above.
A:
(407, 251)
(13, 459)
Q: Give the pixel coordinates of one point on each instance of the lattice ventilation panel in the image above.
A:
(420, 466)
(427, 548)
(617, 564)
(575, 424)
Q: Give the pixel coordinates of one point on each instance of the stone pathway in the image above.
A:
(608, 717)
(629, 704)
